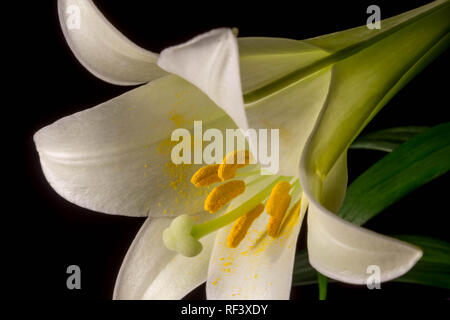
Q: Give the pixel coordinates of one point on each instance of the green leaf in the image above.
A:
(387, 139)
(416, 162)
(303, 273)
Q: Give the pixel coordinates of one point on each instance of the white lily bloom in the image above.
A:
(116, 157)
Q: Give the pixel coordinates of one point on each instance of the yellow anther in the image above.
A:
(277, 206)
(206, 175)
(241, 226)
(223, 194)
(232, 162)
(279, 192)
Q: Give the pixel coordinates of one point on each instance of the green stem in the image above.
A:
(323, 284)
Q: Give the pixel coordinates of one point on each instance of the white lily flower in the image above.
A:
(116, 157)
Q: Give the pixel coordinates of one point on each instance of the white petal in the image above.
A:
(116, 157)
(339, 249)
(150, 271)
(211, 62)
(259, 268)
(293, 111)
(345, 252)
(102, 49)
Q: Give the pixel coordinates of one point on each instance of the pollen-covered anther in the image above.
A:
(233, 161)
(241, 226)
(276, 207)
(206, 175)
(223, 194)
(279, 192)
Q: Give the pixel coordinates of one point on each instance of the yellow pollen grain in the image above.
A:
(223, 194)
(277, 206)
(206, 175)
(232, 162)
(226, 264)
(241, 226)
(215, 282)
(177, 119)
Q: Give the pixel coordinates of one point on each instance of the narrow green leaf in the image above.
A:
(434, 267)
(414, 163)
(303, 273)
(387, 139)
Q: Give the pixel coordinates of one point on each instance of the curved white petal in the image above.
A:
(260, 267)
(116, 157)
(346, 252)
(211, 62)
(151, 271)
(102, 49)
(339, 249)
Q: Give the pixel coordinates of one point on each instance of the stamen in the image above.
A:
(277, 206)
(223, 194)
(232, 162)
(241, 226)
(201, 230)
(206, 175)
(183, 235)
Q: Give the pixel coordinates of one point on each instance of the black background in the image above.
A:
(44, 233)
